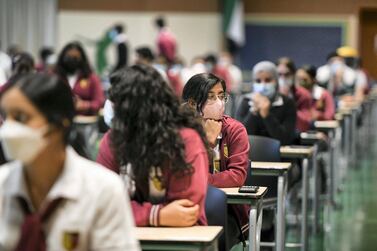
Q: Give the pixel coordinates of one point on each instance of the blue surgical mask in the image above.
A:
(108, 113)
(265, 89)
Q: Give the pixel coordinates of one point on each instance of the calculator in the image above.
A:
(248, 189)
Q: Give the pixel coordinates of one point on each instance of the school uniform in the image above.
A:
(93, 212)
(167, 44)
(89, 90)
(164, 186)
(323, 103)
(279, 124)
(233, 148)
(303, 101)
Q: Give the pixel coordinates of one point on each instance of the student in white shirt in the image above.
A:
(91, 209)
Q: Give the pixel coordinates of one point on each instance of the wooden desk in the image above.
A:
(310, 138)
(179, 238)
(294, 152)
(326, 125)
(255, 200)
(304, 153)
(280, 170)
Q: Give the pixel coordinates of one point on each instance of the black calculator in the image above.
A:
(248, 189)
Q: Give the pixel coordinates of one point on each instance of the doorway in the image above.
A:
(368, 40)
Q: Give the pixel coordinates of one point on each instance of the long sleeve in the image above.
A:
(329, 104)
(236, 147)
(303, 104)
(191, 186)
(284, 130)
(113, 227)
(246, 117)
(105, 156)
(97, 100)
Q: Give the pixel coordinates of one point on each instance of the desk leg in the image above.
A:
(316, 191)
(353, 133)
(280, 217)
(255, 227)
(332, 178)
(304, 213)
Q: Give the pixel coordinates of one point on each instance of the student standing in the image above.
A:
(73, 67)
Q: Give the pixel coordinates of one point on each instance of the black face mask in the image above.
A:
(71, 64)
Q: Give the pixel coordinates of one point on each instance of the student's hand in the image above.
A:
(314, 114)
(262, 104)
(179, 213)
(213, 129)
(80, 105)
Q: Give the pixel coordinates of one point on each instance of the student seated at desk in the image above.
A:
(265, 112)
(286, 70)
(50, 197)
(206, 94)
(158, 147)
(323, 106)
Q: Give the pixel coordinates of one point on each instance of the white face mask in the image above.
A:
(108, 112)
(265, 89)
(214, 110)
(21, 142)
(285, 82)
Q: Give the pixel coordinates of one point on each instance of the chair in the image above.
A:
(264, 149)
(216, 212)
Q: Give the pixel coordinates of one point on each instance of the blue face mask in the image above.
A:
(108, 113)
(265, 89)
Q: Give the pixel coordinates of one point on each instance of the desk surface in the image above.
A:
(80, 119)
(326, 124)
(202, 234)
(339, 116)
(233, 191)
(296, 151)
(311, 136)
(271, 165)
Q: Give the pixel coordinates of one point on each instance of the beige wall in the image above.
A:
(196, 33)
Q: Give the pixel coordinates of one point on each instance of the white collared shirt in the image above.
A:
(95, 213)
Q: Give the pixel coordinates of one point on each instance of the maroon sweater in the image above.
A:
(192, 187)
(303, 101)
(90, 91)
(234, 161)
(323, 104)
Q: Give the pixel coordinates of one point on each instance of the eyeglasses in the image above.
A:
(223, 97)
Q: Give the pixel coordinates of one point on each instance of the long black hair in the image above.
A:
(85, 68)
(198, 87)
(146, 124)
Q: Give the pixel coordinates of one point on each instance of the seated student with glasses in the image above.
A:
(206, 94)
(158, 147)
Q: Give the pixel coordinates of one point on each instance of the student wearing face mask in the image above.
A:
(265, 111)
(206, 94)
(286, 70)
(73, 67)
(322, 106)
(158, 148)
(50, 197)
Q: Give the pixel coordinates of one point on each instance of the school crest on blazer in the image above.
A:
(84, 83)
(70, 240)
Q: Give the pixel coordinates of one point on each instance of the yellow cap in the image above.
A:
(347, 51)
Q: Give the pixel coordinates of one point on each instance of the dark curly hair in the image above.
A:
(148, 117)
